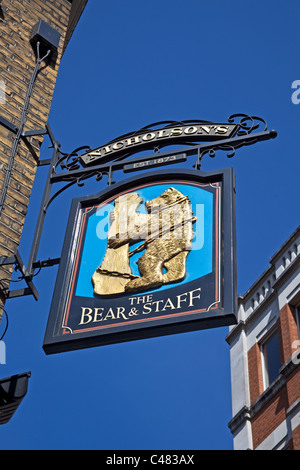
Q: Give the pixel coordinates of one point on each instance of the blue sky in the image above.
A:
(130, 64)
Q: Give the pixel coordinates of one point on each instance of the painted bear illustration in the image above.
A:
(167, 231)
(114, 273)
(170, 241)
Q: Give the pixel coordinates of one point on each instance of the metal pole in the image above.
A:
(43, 207)
(20, 129)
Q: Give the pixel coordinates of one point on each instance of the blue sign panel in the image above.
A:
(151, 256)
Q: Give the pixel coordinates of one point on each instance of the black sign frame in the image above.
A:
(226, 311)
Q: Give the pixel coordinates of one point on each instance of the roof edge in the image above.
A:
(283, 247)
(271, 265)
(76, 11)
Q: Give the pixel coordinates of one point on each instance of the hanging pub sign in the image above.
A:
(150, 256)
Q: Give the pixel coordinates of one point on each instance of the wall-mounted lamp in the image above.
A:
(48, 39)
(12, 391)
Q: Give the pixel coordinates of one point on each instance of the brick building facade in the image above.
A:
(25, 102)
(265, 357)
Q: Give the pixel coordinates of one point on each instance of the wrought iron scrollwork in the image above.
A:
(252, 128)
(247, 124)
(69, 167)
(67, 162)
(70, 161)
(80, 181)
(229, 148)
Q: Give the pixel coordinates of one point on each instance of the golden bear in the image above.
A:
(170, 234)
(114, 272)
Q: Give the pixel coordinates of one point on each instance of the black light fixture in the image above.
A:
(12, 391)
(48, 39)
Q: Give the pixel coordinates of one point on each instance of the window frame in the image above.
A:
(264, 365)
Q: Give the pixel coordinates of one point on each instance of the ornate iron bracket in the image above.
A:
(27, 274)
(244, 136)
(18, 262)
(69, 168)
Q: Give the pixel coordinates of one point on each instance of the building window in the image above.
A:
(270, 359)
